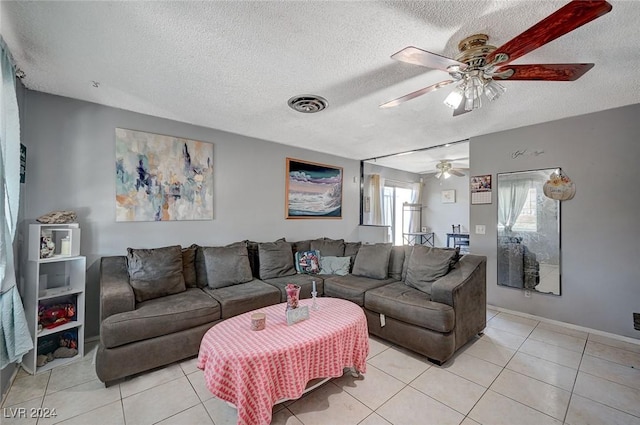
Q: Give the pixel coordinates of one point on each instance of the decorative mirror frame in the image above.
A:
(528, 254)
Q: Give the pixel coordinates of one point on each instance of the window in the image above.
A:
(527, 221)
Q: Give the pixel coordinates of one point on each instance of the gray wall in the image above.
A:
(70, 165)
(440, 217)
(600, 152)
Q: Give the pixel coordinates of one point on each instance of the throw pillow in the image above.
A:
(154, 273)
(301, 246)
(254, 261)
(335, 265)
(351, 250)
(227, 265)
(396, 262)
(332, 247)
(276, 259)
(189, 266)
(426, 265)
(201, 266)
(373, 261)
(308, 262)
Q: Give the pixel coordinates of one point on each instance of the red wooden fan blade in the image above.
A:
(547, 72)
(416, 56)
(413, 95)
(562, 21)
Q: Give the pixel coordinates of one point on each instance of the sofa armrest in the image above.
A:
(116, 295)
(465, 289)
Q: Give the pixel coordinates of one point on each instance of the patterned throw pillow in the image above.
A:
(308, 262)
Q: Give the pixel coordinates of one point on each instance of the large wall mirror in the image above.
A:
(528, 233)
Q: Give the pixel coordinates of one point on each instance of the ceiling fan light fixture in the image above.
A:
(446, 174)
(493, 90)
(455, 98)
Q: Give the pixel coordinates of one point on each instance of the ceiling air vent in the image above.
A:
(308, 103)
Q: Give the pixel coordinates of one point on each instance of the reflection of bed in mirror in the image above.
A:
(528, 233)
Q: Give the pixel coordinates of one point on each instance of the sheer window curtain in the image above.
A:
(511, 198)
(416, 198)
(376, 188)
(15, 338)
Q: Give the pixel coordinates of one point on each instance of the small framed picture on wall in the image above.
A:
(448, 196)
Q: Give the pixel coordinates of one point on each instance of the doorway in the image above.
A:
(394, 196)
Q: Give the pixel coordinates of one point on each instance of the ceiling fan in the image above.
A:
(446, 170)
(478, 65)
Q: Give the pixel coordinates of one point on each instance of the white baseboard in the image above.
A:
(566, 325)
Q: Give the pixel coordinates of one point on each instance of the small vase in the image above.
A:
(293, 295)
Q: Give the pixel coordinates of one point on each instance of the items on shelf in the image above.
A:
(47, 246)
(66, 346)
(50, 317)
(58, 217)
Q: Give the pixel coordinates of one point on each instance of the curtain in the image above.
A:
(416, 198)
(15, 338)
(376, 188)
(512, 195)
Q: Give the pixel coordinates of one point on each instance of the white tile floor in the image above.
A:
(520, 371)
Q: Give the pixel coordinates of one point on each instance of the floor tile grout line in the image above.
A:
(526, 405)
(609, 406)
(609, 380)
(573, 387)
(612, 361)
(451, 407)
(540, 380)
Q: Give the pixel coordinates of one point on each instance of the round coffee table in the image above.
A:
(253, 370)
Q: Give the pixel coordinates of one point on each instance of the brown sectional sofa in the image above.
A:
(139, 334)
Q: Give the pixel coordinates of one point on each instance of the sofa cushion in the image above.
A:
(338, 266)
(304, 281)
(351, 287)
(308, 262)
(351, 250)
(254, 259)
(407, 254)
(301, 245)
(396, 262)
(405, 265)
(155, 272)
(427, 264)
(201, 266)
(227, 265)
(238, 299)
(326, 246)
(373, 261)
(276, 259)
(189, 266)
(160, 316)
(410, 305)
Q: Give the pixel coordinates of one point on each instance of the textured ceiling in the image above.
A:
(233, 65)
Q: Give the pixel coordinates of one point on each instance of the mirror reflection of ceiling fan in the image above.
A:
(446, 170)
(478, 66)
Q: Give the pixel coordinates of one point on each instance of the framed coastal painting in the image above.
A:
(313, 190)
(162, 178)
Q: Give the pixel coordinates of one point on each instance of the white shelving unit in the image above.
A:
(57, 280)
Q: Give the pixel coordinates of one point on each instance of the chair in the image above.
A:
(459, 241)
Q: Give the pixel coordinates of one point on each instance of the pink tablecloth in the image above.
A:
(255, 369)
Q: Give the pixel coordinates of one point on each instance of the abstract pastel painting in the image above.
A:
(313, 190)
(162, 178)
